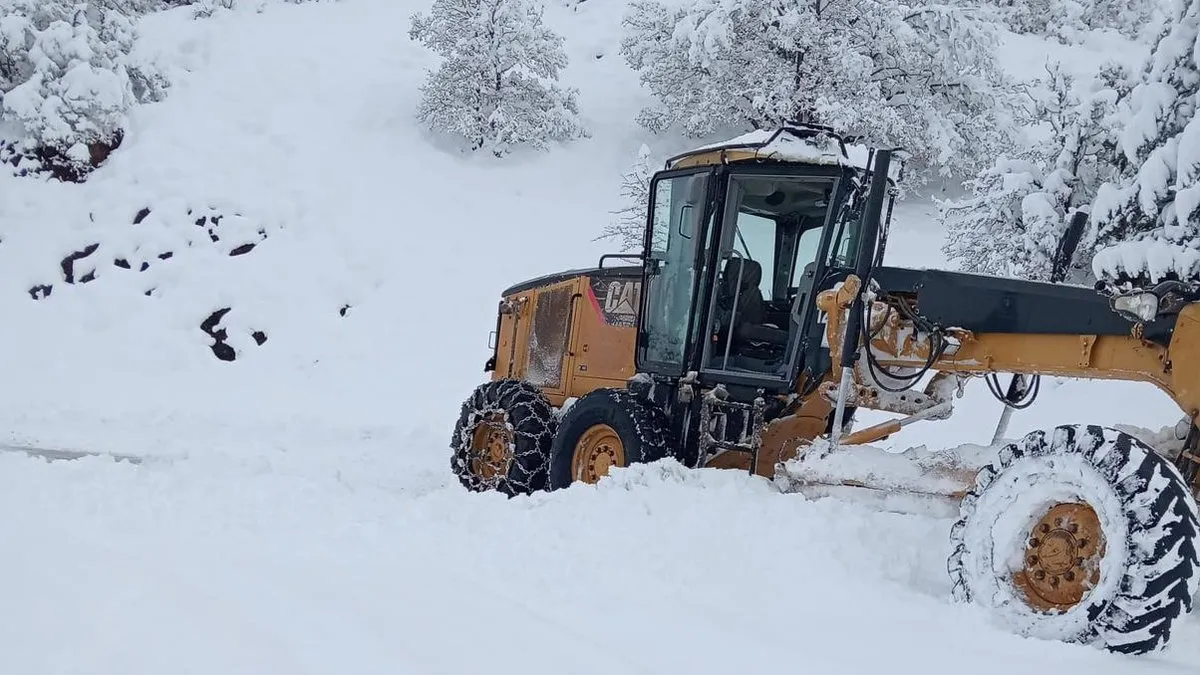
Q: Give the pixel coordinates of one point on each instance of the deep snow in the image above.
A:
(296, 513)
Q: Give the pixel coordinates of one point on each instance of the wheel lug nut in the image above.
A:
(1039, 575)
(1045, 528)
(1069, 576)
(1034, 542)
(1033, 559)
(1073, 528)
(1083, 543)
(1054, 581)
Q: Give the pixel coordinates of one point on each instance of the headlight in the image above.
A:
(1182, 428)
(1136, 306)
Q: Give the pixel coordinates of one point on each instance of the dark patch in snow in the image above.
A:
(343, 310)
(207, 218)
(211, 326)
(20, 157)
(220, 335)
(29, 160)
(40, 291)
(68, 264)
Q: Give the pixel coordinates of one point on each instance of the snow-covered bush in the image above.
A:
(140, 7)
(630, 226)
(206, 8)
(496, 86)
(1020, 207)
(1131, 18)
(921, 76)
(1058, 18)
(66, 81)
(1157, 196)
(1067, 20)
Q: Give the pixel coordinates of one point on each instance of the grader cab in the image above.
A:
(759, 317)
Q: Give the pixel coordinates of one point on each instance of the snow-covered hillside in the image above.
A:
(296, 511)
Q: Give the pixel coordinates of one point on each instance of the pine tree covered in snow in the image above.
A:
(66, 80)
(1158, 197)
(630, 226)
(496, 86)
(1020, 206)
(923, 77)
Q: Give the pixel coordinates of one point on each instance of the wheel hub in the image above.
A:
(1062, 558)
(491, 447)
(597, 451)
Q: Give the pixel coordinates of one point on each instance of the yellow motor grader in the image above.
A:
(759, 318)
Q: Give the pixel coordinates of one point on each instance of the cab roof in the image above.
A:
(794, 144)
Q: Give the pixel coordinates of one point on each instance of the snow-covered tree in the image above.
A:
(1157, 197)
(1020, 207)
(496, 86)
(65, 78)
(985, 233)
(923, 76)
(630, 226)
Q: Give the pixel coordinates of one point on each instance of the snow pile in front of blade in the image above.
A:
(917, 469)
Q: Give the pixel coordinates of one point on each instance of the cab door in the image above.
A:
(676, 259)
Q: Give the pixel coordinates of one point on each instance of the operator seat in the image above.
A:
(754, 343)
(750, 306)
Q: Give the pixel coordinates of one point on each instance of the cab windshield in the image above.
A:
(770, 239)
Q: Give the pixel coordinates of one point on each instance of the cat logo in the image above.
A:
(620, 298)
(617, 300)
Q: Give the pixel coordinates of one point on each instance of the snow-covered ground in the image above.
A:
(295, 512)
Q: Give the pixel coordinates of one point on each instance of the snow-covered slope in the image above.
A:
(298, 119)
(297, 512)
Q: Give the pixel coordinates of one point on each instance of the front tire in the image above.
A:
(1086, 535)
(502, 438)
(606, 428)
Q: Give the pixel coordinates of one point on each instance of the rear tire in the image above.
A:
(607, 427)
(1086, 535)
(502, 438)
